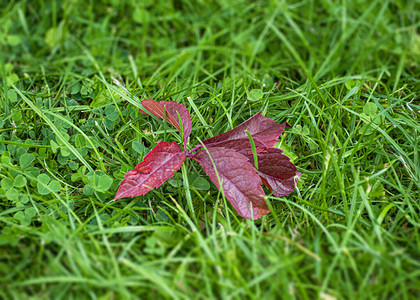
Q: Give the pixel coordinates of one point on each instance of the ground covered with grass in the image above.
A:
(345, 76)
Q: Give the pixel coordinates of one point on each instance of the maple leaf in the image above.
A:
(261, 128)
(158, 166)
(172, 110)
(239, 179)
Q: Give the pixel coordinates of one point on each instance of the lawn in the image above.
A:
(344, 74)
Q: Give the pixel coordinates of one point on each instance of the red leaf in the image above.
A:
(158, 166)
(243, 146)
(156, 108)
(261, 128)
(280, 188)
(172, 107)
(241, 184)
(277, 171)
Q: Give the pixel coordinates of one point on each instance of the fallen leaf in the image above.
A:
(239, 179)
(261, 128)
(158, 166)
(172, 110)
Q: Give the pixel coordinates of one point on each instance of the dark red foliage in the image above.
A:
(261, 128)
(243, 146)
(239, 179)
(157, 167)
(276, 171)
(172, 108)
(226, 158)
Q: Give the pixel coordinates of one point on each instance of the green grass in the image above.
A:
(344, 74)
